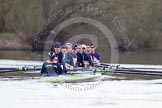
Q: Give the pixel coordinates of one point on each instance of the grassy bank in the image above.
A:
(6, 35)
(9, 41)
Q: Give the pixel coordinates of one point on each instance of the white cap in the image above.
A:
(84, 46)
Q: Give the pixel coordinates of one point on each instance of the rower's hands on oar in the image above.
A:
(69, 67)
(97, 63)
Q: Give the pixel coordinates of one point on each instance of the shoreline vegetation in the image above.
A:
(10, 42)
(136, 25)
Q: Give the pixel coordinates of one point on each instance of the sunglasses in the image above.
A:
(57, 46)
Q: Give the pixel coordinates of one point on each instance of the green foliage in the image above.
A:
(6, 35)
(141, 19)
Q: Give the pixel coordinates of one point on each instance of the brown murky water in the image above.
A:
(18, 92)
(124, 58)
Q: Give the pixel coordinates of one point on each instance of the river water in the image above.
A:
(29, 92)
(153, 57)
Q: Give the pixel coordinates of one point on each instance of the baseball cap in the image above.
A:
(84, 46)
(57, 44)
(74, 46)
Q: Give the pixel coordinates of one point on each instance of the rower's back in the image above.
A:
(51, 67)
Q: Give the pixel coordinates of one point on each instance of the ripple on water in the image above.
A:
(20, 92)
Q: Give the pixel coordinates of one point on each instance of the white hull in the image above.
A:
(71, 78)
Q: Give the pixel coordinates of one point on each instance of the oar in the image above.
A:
(134, 72)
(129, 71)
(38, 68)
(104, 70)
(88, 70)
(157, 67)
(119, 68)
(4, 71)
(21, 68)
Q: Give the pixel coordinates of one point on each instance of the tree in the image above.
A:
(5, 8)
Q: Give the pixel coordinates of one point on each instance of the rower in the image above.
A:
(87, 59)
(67, 58)
(59, 55)
(74, 52)
(95, 55)
(88, 47)
(80, 57)
(51, 67)
(69, 47)
(72, 57)
(88, 50)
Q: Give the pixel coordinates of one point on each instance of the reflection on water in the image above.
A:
(131, 58)
(141, 58)
(20, 55)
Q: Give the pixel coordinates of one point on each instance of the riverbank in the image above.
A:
(9, 41)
